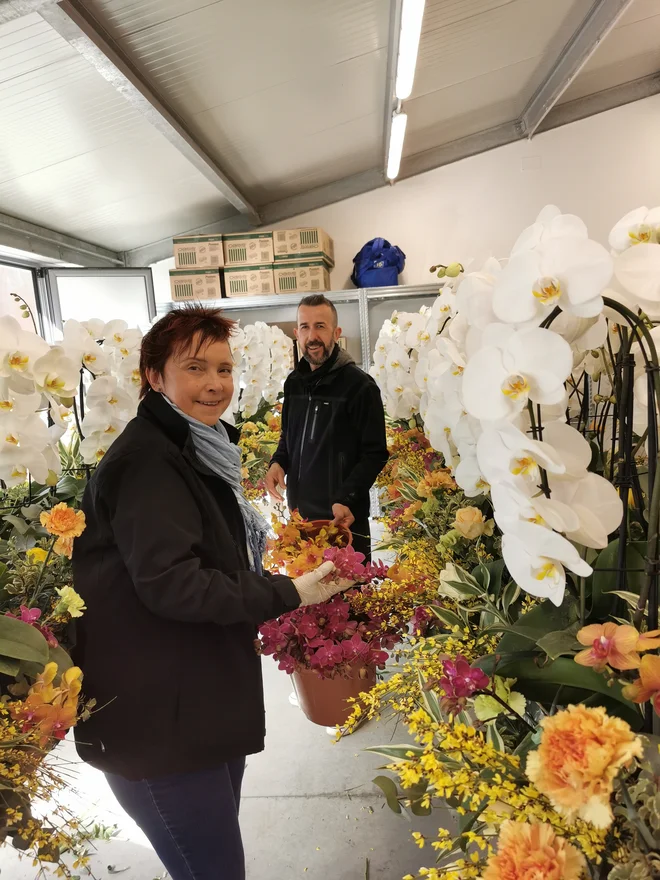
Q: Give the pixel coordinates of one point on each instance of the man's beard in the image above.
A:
(318, 356)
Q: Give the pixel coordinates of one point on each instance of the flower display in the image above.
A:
(528, 850)
(647, 686)
(581, 752)
(263, 358)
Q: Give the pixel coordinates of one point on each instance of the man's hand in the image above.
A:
(342, 516)
(275, 482)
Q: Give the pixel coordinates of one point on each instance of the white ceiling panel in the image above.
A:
(77, 158)
(630, 51)
(281, 94)
(480, 63)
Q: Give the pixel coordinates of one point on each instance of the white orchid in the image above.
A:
(536, 558)
(118, 337)
(638, 272)
(81, 347)
(506, 454)
(474, 297)
(105, 391)
(19, 350)
(640, 226)
(18, 404)
(566, 271)
(512, 367)
(56, 374)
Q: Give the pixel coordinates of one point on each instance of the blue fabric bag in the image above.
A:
(378, 264)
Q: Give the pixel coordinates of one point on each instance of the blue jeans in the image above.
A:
(191, 820)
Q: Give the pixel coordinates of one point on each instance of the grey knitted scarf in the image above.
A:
(215, 450)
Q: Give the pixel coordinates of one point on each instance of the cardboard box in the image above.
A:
(249, 280)
(308, 276)
(189, 285)
(248, 248)
(310, 243)
(198, 251)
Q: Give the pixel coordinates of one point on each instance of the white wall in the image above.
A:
(598, 168)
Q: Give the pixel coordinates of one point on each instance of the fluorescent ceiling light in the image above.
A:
(397, 134)
(411, 29)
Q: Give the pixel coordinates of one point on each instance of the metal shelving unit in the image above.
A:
(367, 309)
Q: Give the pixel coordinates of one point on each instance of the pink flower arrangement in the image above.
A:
(459, 682)
(322, 637)
(349, 564)
(334, 636)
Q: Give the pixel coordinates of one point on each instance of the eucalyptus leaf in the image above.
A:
(389, 789)
(398, 752)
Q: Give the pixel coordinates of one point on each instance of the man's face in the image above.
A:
(317, 334)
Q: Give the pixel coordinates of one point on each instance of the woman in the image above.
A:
(170, 569)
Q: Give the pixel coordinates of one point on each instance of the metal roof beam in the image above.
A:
(73, 21)
(419, 163)
(600, 20)
(162, 250)
(392, 57)
(44, 242)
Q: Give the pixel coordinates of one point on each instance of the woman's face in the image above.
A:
(198, 381)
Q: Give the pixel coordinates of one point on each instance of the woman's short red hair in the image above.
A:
(177, 332)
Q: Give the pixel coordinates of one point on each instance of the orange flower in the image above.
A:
(440, 479)
(581, 752)
(614, 645)
(471, 523)
(526, 851)
(64, 547)
(647, 686)
(414, 508)
(63, 521)
(611, 645)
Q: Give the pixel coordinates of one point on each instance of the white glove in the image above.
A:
(311, 588)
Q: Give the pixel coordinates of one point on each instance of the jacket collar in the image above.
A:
(160, 413)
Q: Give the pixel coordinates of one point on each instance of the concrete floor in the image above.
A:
(309, 808)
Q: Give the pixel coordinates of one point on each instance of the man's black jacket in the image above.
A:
(333, 443)
(167, 641)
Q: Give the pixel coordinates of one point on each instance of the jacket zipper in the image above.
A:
(302, 439)
(312, 433)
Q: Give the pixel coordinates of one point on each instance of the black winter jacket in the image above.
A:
(333, 443)
(167, 641)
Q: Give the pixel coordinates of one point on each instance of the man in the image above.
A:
(333, 443)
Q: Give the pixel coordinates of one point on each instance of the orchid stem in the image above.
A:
(38, 587)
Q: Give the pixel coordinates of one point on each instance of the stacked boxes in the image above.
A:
(251, 264)
(303, 260)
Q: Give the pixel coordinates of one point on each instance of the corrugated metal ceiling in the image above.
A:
(286, 98)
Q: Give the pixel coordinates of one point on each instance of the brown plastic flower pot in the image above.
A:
(323, 700)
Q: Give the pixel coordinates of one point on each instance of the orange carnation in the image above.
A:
(440, 479)
(526, 850)
(63, 521)
(581, 752)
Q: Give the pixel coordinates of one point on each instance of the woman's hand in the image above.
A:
(314, 588)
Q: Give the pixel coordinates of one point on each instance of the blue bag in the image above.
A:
(378, 264)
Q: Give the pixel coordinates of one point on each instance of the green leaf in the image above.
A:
(604, 581)
(631, 598)
(560, 642)
(18, 523)
(22, 642)
(397, 753)
(389, 789)
(494, 570)
(430, 700)
(538, 622)
(510, 595)
(494, 737)
(447, 617)
(9, 666)
(417, 808)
